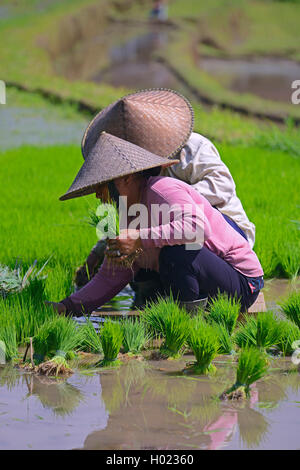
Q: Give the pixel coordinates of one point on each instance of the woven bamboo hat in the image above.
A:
(158, 120)
(110, 158)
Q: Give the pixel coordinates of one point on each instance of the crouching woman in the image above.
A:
(222, 261)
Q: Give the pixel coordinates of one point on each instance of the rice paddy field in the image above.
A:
(164, 380)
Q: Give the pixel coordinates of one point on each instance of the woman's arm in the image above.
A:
(108, 282)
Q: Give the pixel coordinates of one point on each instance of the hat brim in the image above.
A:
(112, 158)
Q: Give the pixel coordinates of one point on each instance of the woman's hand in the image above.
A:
(57, 306)
(125, 244)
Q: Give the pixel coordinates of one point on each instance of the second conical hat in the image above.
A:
(158, 120)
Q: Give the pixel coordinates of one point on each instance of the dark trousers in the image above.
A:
(192, 274)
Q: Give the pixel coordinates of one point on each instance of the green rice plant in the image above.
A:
(224, 310)
(135, 336)
(56, 337)
(111, 337)
(165, 317)
(155, 313)
(176, 331)
(204, 342)
(8, 341)
(291, 307)
(25, 314)
(89, 338)
(225, 340)
(263, 332)
(290, 333)
(252, 365)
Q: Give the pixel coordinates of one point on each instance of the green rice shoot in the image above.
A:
(111, 337)
(252, 366)
(224, 310)
(203, 341)
(291, 308)
(135, 336)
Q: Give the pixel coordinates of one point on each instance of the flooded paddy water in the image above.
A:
(148, 405)
(125, 53)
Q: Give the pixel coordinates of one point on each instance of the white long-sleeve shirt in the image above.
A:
(201, 167)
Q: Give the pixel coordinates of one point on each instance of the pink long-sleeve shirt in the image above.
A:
(199, 217)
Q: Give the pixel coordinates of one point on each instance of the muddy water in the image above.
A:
(266, 77)
(120, 55)
(148, 405)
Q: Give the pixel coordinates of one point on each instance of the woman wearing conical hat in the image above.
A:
(166, 119)
(223, 259)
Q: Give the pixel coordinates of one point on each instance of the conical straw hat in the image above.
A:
(110, 158)
(157, 120)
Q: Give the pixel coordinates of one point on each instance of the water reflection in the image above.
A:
(148, 405)
(269, 78)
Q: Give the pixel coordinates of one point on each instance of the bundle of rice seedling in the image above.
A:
(135, 336)
(89, 338)
(290, 334)
(58, 337)
(224, 310)
(106, 219)
(176, 331)
(165, 317)
(203, 341)
(111, 337)
(291, 307)
(263, 332)
(252, 365)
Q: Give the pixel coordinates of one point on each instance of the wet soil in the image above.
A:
(148, 405)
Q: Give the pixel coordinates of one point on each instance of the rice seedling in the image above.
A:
(58, 337)
(225, 340)
(252, 365)
(8, 341)
(224, 310)
(89, 338)
(290, 334)
(176, 331)
(111, 337)
(291, 308)
(135, 336)
(263, 332)
(203, 341)
(166, 318)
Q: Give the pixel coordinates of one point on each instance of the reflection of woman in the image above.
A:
(224, 263)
